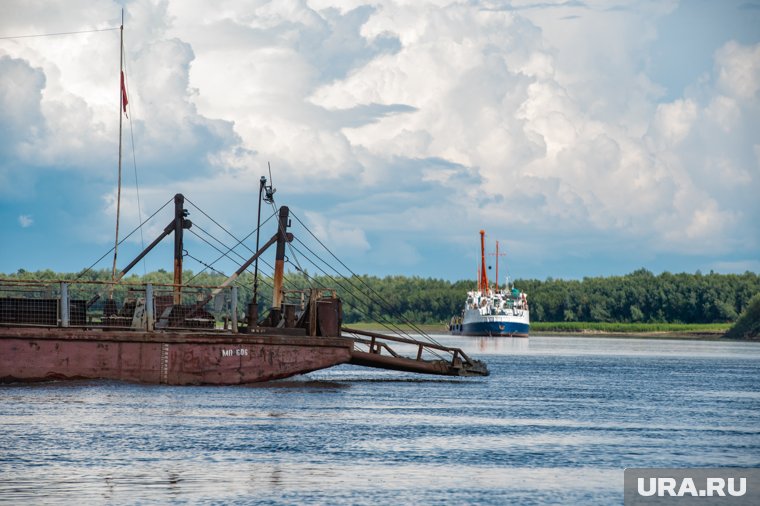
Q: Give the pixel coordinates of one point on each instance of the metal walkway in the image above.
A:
(373, 350)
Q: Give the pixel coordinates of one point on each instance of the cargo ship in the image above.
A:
(491, 311)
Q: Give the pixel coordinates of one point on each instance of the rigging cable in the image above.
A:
(239, 241)
(382, 302)
(185, 253)
(386, 305)
(390, 326)
(398, 330)
(88, 269)
(237, 282)
(232, 248)
(228, 251)
(222, 227)
(56, 34)
(190, 230)
(130, 106)
(387, 324)
(214, 247)
(207, 266)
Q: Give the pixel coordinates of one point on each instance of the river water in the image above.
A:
(556, 423)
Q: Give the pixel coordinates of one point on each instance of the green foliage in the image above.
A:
(642, 297)
(638, 297)
(748, 324)
(707, 328)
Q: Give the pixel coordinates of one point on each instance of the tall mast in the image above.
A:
(483, 286)
(121, 107)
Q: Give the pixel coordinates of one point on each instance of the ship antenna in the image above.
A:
(496, 286)
(268, 196)
(497, 255)
(269, 190)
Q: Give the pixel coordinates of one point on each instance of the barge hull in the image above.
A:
(175, 358)
(492, 329)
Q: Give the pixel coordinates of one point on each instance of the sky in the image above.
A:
(590, 138)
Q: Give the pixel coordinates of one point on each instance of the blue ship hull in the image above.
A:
(506, 329)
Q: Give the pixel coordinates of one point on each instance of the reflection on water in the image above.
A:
(500, 345)
(600, 345)
(556, 422)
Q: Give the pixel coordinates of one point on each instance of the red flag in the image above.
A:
(124, 100)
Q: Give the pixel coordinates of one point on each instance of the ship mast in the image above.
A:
(497, 255)
(496, 286)
(122, 107)
(483, 281)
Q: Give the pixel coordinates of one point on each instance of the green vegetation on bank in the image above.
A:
(629, 328)
(640, 297)
(748, 324)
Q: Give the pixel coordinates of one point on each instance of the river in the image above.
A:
(556, 422)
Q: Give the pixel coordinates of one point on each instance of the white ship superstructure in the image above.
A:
(489, 311)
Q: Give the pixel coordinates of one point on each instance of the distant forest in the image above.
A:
(640, 296)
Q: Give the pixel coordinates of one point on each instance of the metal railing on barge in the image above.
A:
(122, 305)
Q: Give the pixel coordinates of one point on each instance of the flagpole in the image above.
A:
(121, 106)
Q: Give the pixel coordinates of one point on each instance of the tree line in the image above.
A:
(640, 296)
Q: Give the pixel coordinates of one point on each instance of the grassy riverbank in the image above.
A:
(676, 329)
(651, 330)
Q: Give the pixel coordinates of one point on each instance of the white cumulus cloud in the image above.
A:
(25, 220)
(429, 119)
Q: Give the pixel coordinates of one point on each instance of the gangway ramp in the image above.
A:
(375, 350)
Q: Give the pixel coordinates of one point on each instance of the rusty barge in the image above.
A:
(181, 334)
